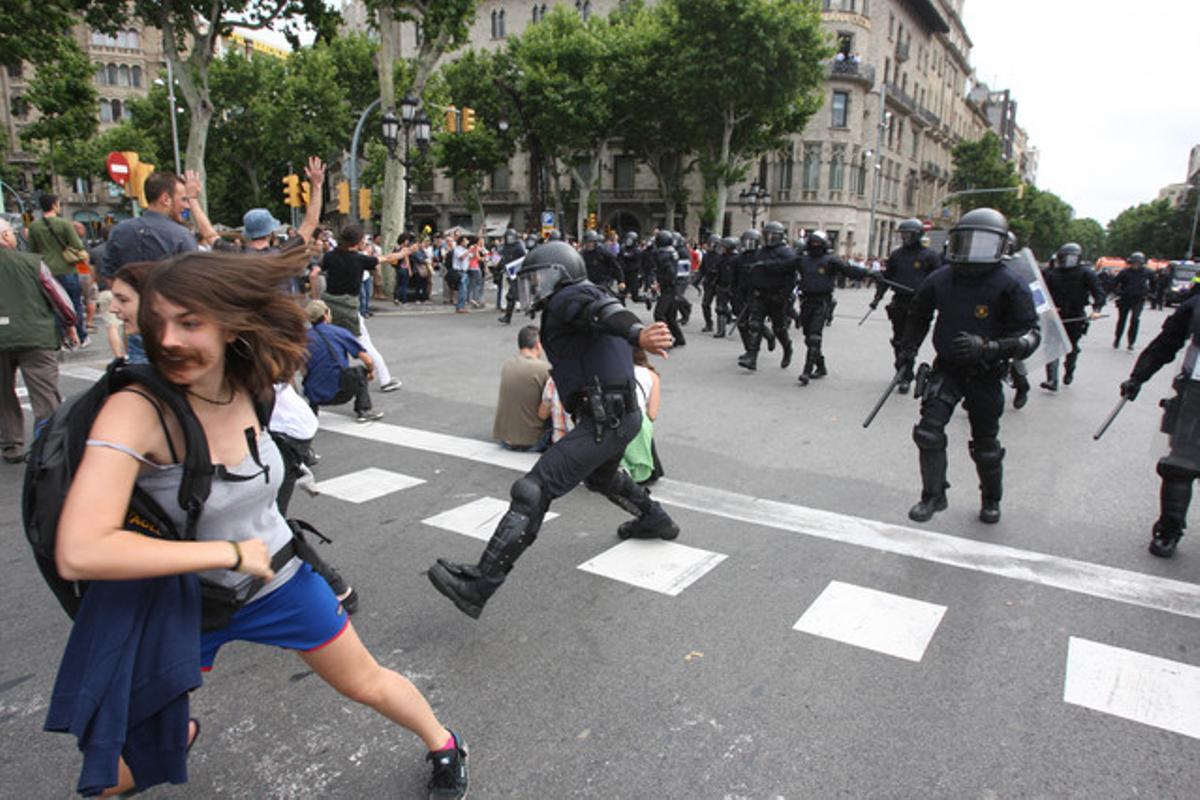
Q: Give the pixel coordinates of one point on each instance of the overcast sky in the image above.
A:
(1107, 91)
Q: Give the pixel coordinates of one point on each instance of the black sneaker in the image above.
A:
(449, 778)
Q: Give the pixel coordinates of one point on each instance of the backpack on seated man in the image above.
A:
(55, 457)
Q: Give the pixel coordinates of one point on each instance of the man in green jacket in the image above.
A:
(30, 302)
(49, 237)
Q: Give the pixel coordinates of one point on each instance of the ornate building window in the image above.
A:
(837, 168)
(812, 167)
(840, 107)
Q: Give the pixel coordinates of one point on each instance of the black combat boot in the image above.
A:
(1165, 539)
(1069, 367)
(508, 312)
(465, 584)
(786, 342)
(654, 524)
(470, 586)
(806, 374)
(769, 335)
(1174, 495)
(1051, 382)
(989, 464)
(819, 371)
(748, 360)
(933, 486)
(720, 334)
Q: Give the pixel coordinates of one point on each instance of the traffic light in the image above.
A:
(591, 221)
(451, 119)
(306, 193)
(364, 203)
(135, 186)
(343, 191)
(468, 119)
(291, 190)
(1021, 191)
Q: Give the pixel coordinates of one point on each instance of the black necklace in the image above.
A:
(232, 394)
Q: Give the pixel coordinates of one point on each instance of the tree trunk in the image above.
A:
(722, 169)
(392, 208)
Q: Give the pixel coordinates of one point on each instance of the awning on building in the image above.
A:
(496, 224)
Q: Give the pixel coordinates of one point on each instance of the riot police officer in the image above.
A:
(818, 269)
(710, 268)
(1181, 419)
(1070, 283)
(601, 265)
(511, 252)
(985, 316)
(772, 274)
(631, 266)
(726, 273)
(904, 270)
(664, 260)
(589, 338)
(683, 275)
(1132, 285)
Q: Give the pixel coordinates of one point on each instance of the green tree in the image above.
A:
(1158, 229)
(37, 31)
(1043, 222)
(751, 103)
(65, 98)
(981, 165)
(1088, 234)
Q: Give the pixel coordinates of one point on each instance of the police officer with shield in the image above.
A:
(905, 269)
(589, 338)
(1070, 284)
(985, 317)
(772, 275)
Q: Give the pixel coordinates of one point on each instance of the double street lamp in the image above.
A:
(416, 125)
(754, 199)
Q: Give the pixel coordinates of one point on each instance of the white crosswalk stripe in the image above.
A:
(664, 567)
(367, 484)
(880, 621)
(476, 519)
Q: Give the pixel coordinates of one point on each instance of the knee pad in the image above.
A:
(1172, 472)
(527, 496)
(928, 437)
(754, 325)
(813, 341)
(986, 452)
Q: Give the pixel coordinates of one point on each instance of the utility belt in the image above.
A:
(605, 405)
(985, 369)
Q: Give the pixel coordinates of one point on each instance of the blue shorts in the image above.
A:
(303, 614)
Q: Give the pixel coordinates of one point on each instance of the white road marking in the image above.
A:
(366, 484)
(80, 372)
(22, 392)
(1108, 583)
(880, 621)
(1143, 688)
(664, 567)
(476, 519)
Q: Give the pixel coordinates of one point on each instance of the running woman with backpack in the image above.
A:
(217, 326)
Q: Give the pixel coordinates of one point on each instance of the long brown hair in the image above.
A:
(135, 274)
(244, 295)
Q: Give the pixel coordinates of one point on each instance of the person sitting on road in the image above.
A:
(329, 379)
(518, 425)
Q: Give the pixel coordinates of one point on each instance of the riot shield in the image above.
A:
(1055, 343)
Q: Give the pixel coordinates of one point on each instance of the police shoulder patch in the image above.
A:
(981, 312)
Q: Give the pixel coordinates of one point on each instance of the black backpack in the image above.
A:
(55, 456)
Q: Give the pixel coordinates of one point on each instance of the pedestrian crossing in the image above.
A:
(1147, 689)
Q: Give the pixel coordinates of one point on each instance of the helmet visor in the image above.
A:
(975, 246)
(1070, 259)
(536, 284)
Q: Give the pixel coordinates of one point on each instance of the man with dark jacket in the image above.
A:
(29, 302)
(1132, 286)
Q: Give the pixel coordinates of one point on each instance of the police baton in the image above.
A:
(897, 379)
(900, 287)
(870, 311)
(1084, 319)
(1117, 410)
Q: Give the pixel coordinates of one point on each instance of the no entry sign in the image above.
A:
(118, 168)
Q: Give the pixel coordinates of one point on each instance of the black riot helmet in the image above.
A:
(714, 241)
(1069, 255)
(817, 243)
(547, 269)
(751, 240)
(1137, 257)
(730, 243)
(911, 231)
(531, 242)
(631, 238)
(511, 236)
(591, 238)
(977, 243)
(663, 238)
(555, 235)
(774, 234)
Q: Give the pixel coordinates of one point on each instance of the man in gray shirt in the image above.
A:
(159, 232)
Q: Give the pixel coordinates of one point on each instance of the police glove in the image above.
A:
(874, 304)
(969, 347)
(1130, 389)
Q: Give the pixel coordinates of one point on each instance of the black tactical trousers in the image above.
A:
(767, 305)
(981, 393)
(706, 303)
(667, 310)
(578, 456)
(814, 309)
(1128, 309)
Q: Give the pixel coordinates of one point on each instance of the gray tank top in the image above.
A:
(237, 510)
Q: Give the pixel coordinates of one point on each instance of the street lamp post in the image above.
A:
(174, 111)
(885, 122)
(753, 199)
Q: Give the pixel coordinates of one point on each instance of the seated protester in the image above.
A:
(518, 425)
(217, 326)
(329, 379)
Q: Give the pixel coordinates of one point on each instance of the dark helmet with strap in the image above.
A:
(511, 236)
(774, 234)
(911, 231)
(1069, 255)
(631, 238)
(663, 238)
(1137, 257)
(978, 241)
(555, 235)
(591, 237)
(751, 239)
(714, 240)
(731, 244)
(548, 268)
(817, 243)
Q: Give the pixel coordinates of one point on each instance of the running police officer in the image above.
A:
(589, 338)
(511, 252)
(683, 275)
(1070, 283)
(817, 271)
(905, 269)
(1132, 285)
(772, 275)
(710, 268)
(631, 266)
(1181, 419)
(664, 260)
(602, 267)
(985, 316)
(726, 273)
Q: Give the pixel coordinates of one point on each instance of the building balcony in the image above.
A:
(931, 119)
(932, 170)
(852, 71)
(426, 198)
(902, 52)
(901, 98)
(501, 196)
(630, 195)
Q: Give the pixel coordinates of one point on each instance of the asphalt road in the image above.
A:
(1047, 656)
